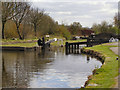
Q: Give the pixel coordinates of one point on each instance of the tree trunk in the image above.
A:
(20, 37)
(23, 36)
(35, 29)
(3, 25)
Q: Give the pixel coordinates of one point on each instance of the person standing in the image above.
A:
(39, 42)
(43, 43)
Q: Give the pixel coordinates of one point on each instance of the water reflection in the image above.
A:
(44, 69)
(88, 59)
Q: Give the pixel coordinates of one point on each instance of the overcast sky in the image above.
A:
(86, 12)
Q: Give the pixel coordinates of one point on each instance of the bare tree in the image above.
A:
(117, 20)
(36, 15)
(23, 9)
(8, 12)
(26, 29)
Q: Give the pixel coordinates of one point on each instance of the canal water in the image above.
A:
(46, 69)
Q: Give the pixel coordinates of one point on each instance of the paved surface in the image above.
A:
(116, 43)
(116, 50)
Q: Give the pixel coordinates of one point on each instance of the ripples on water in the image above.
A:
(48, 69)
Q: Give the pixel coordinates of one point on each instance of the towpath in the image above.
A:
(116, 51)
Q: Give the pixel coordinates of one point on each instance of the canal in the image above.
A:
(46, 69)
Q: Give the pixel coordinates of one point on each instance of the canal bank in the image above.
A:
(103, 77)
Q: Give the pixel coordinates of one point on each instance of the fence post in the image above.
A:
(72, 48)
(69, 48)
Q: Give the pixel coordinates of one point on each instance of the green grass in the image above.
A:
(105, 77)
(18, 40)
(58, 43)
(70, 41)
(22, 44)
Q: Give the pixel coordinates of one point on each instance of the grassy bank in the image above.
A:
(105, 76)
(24, 43)
(16, 40)
(58, 43)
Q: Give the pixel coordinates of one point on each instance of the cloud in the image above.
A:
(83, 11)
(65, 13)
(73, 0)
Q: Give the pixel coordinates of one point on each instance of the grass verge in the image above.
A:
(105, 76)
(22, 44)
(59, 43)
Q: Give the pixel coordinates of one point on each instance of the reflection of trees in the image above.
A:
(19, 67)
(7, 76)
(15, 74)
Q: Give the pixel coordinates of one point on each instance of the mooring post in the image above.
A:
(66, 47)
(77, 46)
(88, 42)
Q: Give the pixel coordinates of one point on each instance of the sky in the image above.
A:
(86, 12)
